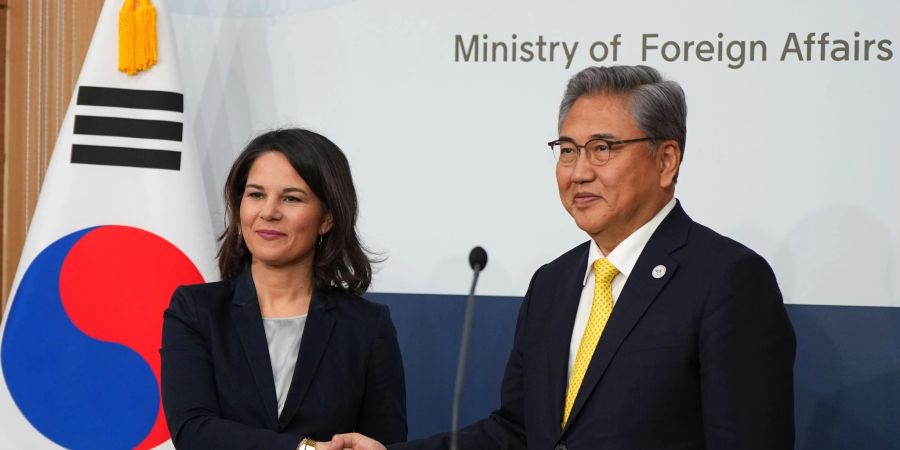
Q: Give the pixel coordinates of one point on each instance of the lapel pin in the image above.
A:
(658, 271)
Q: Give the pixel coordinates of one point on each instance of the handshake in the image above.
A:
(354, 441)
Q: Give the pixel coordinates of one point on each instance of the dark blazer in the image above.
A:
(218, 389)
(700, 358)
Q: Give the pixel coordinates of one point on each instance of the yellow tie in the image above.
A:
(601, 308)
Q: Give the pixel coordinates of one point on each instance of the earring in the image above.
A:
(321, 239)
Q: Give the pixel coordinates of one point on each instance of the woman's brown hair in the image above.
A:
(340, 261)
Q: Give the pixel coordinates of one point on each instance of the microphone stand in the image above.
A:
(464, 347)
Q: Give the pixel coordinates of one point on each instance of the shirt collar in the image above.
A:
(626, 254)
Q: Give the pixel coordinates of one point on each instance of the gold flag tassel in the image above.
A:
(137, 36)
(126, 38)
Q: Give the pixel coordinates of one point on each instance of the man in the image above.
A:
(658, 333)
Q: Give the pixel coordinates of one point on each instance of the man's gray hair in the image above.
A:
(657, 105)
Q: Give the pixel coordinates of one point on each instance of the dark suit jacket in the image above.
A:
(701, 358)
(218, 389)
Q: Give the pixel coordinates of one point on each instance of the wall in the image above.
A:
(47, 43)
(790, 152)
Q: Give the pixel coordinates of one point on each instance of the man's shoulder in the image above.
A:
(563, 267)
(705, 239)
(679, 233)
(576, 255)
(714, 253)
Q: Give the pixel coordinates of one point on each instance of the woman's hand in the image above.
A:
(354, 441)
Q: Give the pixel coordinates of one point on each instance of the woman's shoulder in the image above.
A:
(213, 295)
(352, 305)
(346, 299)
(206, 289)
(362, 318)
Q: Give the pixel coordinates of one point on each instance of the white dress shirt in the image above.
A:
(624, 256)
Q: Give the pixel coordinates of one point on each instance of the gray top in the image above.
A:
(283, 336)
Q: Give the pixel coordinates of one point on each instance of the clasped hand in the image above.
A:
(353, 441)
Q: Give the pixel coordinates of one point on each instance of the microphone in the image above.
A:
(477, 261)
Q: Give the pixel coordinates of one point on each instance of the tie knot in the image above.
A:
(604, 271)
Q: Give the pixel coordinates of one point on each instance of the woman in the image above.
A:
(283, 352)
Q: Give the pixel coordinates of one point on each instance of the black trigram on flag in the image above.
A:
(128, 102)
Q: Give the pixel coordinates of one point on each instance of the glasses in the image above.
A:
(598, 149)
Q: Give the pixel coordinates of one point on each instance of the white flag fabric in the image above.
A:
(121, 221)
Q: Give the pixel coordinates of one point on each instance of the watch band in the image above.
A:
(307, 444)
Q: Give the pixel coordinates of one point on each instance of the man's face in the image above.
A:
(611, 201)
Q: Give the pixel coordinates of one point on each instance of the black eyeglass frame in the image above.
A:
(609, 143)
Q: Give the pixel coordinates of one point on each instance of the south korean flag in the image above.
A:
(121, 221)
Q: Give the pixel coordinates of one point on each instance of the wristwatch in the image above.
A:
(307, 444)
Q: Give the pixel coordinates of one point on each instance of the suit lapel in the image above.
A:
(565, 300)
(640, 291)
(316, 334)
(248, 322)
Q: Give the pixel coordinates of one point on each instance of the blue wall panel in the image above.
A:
(847, 374)
(847, 377)
(429, 328)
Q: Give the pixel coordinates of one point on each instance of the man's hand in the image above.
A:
(354, 441)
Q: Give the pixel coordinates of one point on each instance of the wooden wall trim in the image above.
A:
(47, 42)
(3, 57)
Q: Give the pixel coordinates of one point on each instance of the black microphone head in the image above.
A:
(477, 258)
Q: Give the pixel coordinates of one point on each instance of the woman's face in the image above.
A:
(281, 218)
